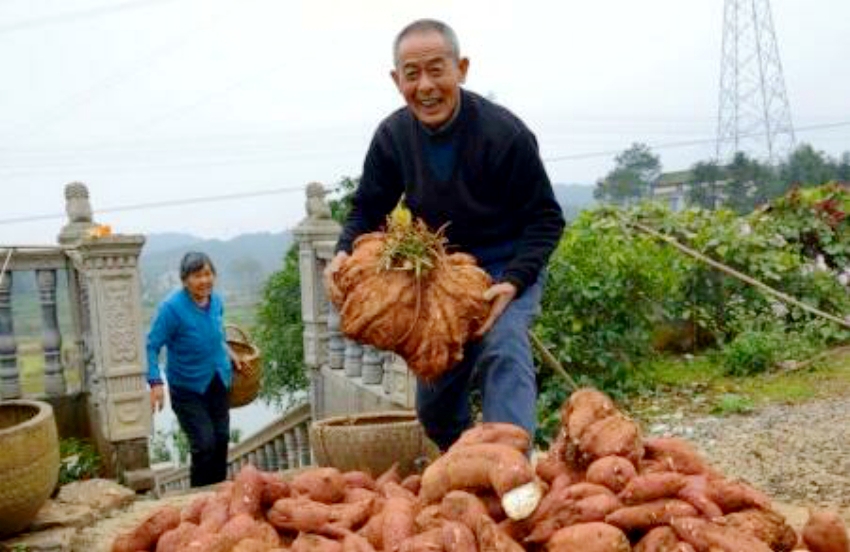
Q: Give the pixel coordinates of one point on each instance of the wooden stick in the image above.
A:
(550, 360)
(743, 277)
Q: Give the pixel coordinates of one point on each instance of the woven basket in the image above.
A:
(29, 461)
(371, 442)
(248, 373)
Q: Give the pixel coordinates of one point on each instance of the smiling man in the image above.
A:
(459, 159)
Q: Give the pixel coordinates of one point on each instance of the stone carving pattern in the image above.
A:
(120, 323)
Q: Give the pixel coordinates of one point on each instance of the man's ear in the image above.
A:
(463, 67)
(394, 77)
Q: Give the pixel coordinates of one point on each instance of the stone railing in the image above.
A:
(284, 444)
(345, 376)
(103, 355)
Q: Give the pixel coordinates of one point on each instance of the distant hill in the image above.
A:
(574, 198)
(242, 263)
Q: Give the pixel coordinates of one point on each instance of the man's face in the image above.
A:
(428, 77)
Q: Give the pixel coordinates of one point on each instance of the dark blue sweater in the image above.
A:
(482, 174)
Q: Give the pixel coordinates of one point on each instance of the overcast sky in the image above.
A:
(158, 100)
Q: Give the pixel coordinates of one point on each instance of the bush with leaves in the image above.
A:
(79, 460)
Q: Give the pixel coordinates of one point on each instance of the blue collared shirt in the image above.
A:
(194, 339)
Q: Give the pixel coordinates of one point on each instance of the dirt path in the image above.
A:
(798, 454)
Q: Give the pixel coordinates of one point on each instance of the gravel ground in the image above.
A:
(798, 454)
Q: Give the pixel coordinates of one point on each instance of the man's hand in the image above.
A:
(157, 397)
(330, 270)
(500, 295)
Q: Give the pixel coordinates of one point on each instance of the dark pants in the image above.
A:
(501, 362)
(205, 418)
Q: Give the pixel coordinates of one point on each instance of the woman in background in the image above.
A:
(189, 323)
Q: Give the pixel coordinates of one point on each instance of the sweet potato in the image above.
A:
(652, 486)
(549, 467)
(463, 507)
(706, 536)
(560, 495)
(356, 494)
(487, 465)
(766, 525)
(660, 539)
(429, 541)
(615, 435)
(359, 479)
(457, 537)
(355, 543)
(732, 496)
(676, 454)
(589, 537)
(429, 517)
(412, 483)
(398, 524)
(373, 531)
(299, 514)
(215, 512)
(251, 545)
(650, 514)
(209, 542)
(146, 534)
(247, 492)
(695, 492)
(491, 537)
(825, 532)
(392, 489)
(274, 488)
(192, 512)
(238, 527)
(308, 542)
(320, 484)
(176, 539)
(495, 432)
(613, 472)
(493, 505)
(591, 508)
(585, 407)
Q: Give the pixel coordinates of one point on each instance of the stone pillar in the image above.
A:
(54, 378)
(353, 359)
(10, 383)
(316, 235)
(336, 343)
(373, 370)
(118, 400)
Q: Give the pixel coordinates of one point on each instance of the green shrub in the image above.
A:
(79, 460)
(751, 352)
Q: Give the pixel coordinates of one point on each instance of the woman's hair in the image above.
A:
(194, 261)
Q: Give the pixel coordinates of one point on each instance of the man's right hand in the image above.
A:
(333, 266)
(157, 397)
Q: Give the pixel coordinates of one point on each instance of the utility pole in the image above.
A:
(754, 116)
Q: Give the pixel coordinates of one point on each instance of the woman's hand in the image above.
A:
(500, 295)
(157, 397)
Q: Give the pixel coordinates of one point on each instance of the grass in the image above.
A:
(698, 385)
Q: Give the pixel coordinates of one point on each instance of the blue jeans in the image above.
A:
(501, 363)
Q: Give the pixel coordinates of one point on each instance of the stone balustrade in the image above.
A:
(282, 445)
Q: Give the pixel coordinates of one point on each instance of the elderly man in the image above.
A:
(461, 159)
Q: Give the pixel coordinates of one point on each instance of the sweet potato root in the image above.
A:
(613, 472)
(176, 539)
(649, 515)
(660, 539)
(615, 435)
(355, 543)
(495, 432)
(585, 407)
(429, 517)
(320, 484)
(457, 537)
(247, 494)
(308, 542)
(695, 492)
(589, 537)
(146, 535)
(398, 524)
(463, 507)
(766, 525)
(274, 488)
(652, 486)
(429, 541)
(706, 536)
(588, 509)
(676, 454)
(216, 512)
(359, 479)
(825, 532)
(491, 537)
(412, 483)
(732, 496)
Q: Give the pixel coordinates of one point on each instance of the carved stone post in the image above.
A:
(353, 359)
(373, 370)
(10, 383)
(316, 236)
(54, 379)
(118, 400)
(336, 343)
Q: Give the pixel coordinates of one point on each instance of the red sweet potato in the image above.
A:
(765, 525)
(589, 537)
(359, 479)
(613, 472)
(615, 435)
(652, 486)
(308, 542)
(695, 492)
(429, 541)
(320, 484)
(732, 496)
(274, 488)
(491, 537)
(247, 494)
(463, 507)
(146, 534)
(495, 432)
(192, 512)
(660, 539)
(584, 408)
(457, 537)
(825, 532)
(176, 539)
(706, 536)
(649, 515)
(675, 454)
(399, 523)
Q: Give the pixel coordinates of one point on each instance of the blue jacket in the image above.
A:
(195, 341)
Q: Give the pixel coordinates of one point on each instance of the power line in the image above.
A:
(684, 143)
(166, 203)
(81, 14)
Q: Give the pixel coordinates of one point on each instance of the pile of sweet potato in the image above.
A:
(601, 487)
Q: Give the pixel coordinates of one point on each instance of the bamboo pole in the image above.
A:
(739, 275)
(550, 360)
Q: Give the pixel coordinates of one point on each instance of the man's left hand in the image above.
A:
(500, 295)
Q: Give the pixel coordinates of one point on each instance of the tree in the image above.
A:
(807, 167)
(748, 183)
(842, 167)
(705, 184)
(636, 170)
(279, 329)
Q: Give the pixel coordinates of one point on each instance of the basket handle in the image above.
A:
(238, 330)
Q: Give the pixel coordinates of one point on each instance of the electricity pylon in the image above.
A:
(753, 114)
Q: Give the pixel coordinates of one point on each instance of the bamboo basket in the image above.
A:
(372, 442)
(248, 373)
(29, 462)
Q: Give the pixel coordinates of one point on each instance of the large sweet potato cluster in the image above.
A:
(601, 487)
